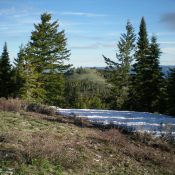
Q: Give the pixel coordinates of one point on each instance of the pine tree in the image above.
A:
(5, 74)
(139, 93)
(171, 92)
(147, 77)
(26, 76)
(120, 71)
(19, 71)
(156, 83)
(49, 53)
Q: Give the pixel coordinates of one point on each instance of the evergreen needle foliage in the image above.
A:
(120, 70)
(40, 65)
(147, 73)
(5, 74)
(171, 92)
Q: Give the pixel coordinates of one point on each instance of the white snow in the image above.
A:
(136, 121)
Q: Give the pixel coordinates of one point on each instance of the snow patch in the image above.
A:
(138, 121)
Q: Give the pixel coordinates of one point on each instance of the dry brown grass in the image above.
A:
(14, 105)
(18, 105)
(135, 147)
(82, 150)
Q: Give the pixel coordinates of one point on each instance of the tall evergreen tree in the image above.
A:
(19, 71)
(156, 83)
(49, 53)
(147, 77)
(139, 90)
(27, 85)
(120, 71)
(171, 92)
(5, 74)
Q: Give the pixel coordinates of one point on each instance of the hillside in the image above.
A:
(32, 143)
(90, 74)
(165, 68)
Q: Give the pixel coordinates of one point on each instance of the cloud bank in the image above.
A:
(169, 19)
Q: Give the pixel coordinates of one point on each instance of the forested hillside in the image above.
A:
(134, 80)
(86, 88)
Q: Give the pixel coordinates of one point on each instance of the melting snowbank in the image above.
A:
(138, 121)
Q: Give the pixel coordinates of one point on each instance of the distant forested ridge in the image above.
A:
(165, 69)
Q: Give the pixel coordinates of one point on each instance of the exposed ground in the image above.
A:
(32, 144)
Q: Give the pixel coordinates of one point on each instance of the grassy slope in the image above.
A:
(31, 144)
(89, 74)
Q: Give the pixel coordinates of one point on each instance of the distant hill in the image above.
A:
(91, 74)
(165, 68)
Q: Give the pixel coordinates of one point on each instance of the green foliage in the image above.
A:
(48, 55)
(49, 46)
(27, 83)
(84, 94)
(19, 71)
(85, 88)
(90, 74)
(171, 92)
(40, 64)
(40, 74)
(147, 79)
(55, 89)
(119, 72)
(142, 43)
(6, 83)
(156, 82)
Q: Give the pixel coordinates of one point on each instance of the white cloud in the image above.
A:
(165, 33)
(28, 20)
(8, 11)
(92, 46)
(169, 50)
(167, 42)
(16, 12)
(110, 45)
(96, 46)
(169, 19)
(83, 14)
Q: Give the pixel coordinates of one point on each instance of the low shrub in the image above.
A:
(39, 108)
(14, 105)
(81, 122)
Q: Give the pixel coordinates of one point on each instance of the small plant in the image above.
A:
(167, 133)
(82, 122)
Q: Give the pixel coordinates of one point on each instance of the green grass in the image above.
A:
(30, 144)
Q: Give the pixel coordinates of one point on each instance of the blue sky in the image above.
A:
(93, 27)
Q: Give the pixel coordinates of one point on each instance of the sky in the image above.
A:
(92, 27)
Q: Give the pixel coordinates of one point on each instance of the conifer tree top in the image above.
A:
(143, 36)
(5, 54)
(45, 17)
(49, 45)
